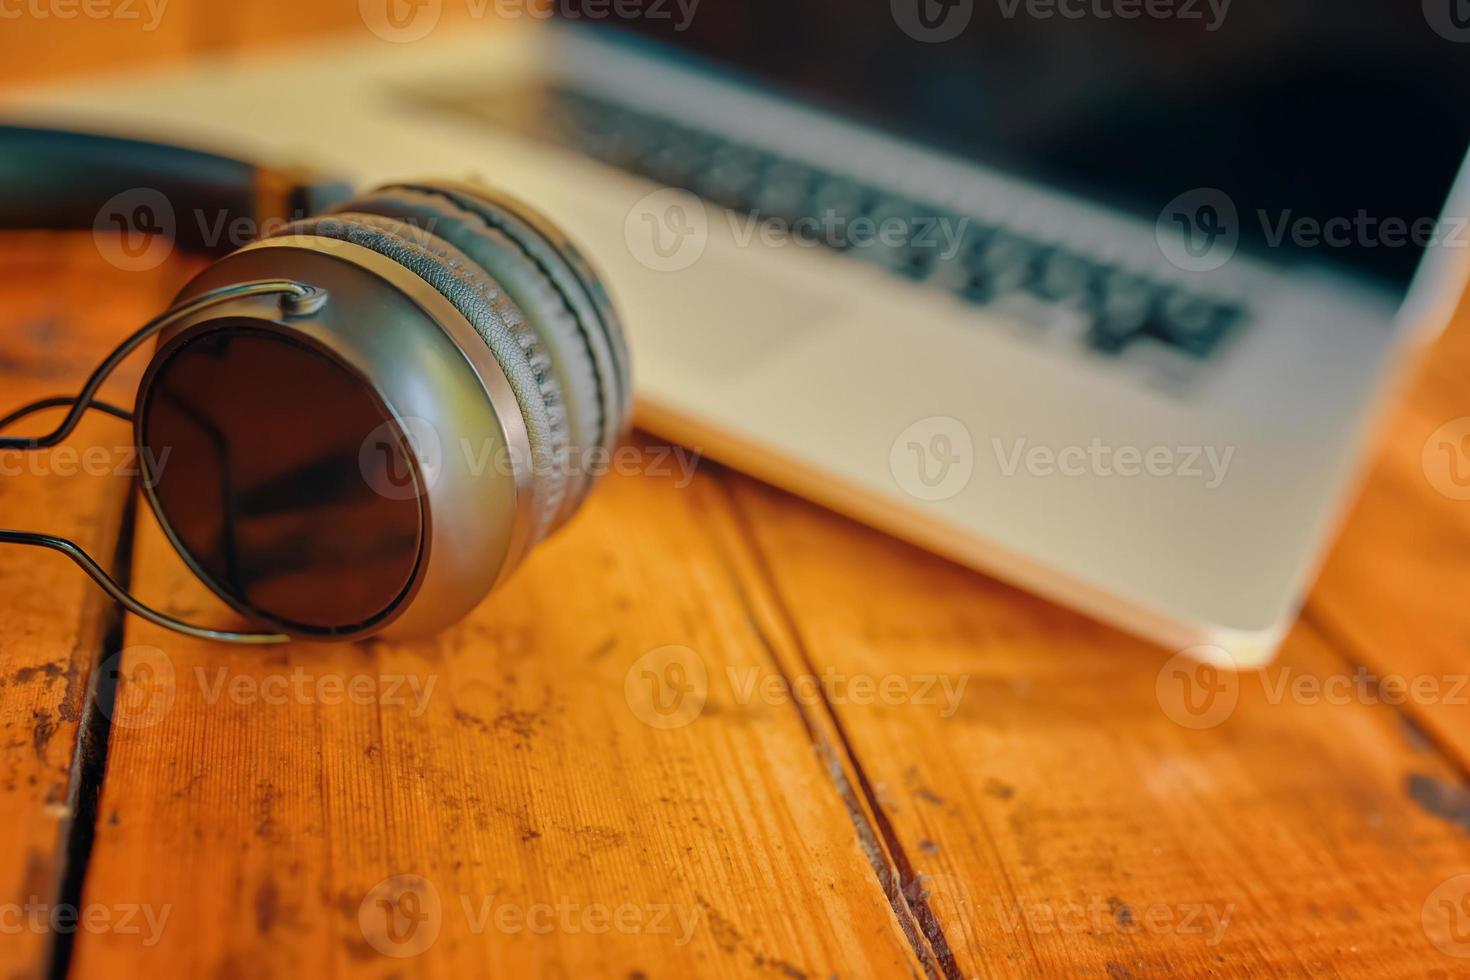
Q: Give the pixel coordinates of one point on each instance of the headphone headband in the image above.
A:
(61, 180)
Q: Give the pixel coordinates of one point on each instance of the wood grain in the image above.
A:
(55, 38)
(1065, 815)
(1029, 794)
(1393, 591)
(526, 780)
(62, 308)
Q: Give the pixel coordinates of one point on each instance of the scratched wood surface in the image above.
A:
(524, 776)
(1031, 794)
(62, 307)
(714, 729)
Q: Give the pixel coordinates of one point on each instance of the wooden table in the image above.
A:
(711, 729)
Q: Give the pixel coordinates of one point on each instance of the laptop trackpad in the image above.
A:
(720, 317)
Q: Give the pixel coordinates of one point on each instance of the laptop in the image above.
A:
(1103, 305)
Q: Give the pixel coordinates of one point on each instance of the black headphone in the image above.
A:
(363, 419)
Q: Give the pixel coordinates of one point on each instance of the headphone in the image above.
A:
(359, 422)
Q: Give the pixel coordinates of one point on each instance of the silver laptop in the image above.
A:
(1104, 307)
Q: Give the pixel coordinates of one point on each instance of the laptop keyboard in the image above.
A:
(992, 264)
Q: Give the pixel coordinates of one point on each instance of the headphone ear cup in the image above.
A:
(586, 392)
(498, 321)
(573, 276)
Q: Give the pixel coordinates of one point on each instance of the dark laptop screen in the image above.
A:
(1344, 116)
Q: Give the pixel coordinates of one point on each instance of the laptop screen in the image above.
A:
(1335, 127)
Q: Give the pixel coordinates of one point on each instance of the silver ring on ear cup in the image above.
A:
(581, 286)
(496, 319)
(310, 501)
(561, 333)
(423, 362)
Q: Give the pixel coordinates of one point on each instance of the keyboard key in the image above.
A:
(905, 237)
(1193, 323)
(1064, 277)
(1123, 304)
(731, 177)
(1003, 263)
(835, 205)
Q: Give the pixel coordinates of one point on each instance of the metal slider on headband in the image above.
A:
(296, 299)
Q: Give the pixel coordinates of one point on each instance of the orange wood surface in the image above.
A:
(714, 729)
(62, 309)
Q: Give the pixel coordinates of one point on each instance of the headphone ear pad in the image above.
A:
(585, 391)
(498, 321)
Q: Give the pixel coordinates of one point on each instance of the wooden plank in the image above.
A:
(44, 41)
(531, 778)
(62, 308)
(1057, 808)
(1394, 589)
